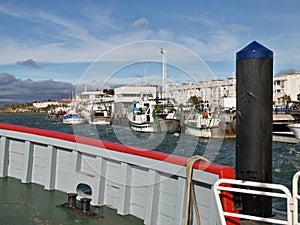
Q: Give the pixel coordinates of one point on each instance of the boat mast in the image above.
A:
(164, 71)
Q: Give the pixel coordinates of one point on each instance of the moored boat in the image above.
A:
(101, 112)
(200, 124)
(72, 118)
(155, 115)
(296, 129)
(57, 113)
(226, 128)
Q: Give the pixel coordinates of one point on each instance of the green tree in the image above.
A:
(195, 101)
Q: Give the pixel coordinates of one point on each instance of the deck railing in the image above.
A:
(270, 190)
(145, 183)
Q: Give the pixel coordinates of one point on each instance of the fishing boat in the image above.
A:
(57, 113)
(73, 118)
(101, 112)
(217, 125)
(155, 115)
(226, 128)
(295, 128)
(200, 124)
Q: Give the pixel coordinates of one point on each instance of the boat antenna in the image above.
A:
(164, 71)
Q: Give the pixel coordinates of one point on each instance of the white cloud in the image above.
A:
(142, 22)
(94, 31)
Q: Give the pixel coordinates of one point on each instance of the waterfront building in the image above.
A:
(286, 88)
(45, 104)
(40, 105)
(212, 93)
(92, 96)
(126, 95)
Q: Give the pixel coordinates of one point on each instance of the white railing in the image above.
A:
(284, 193)
(296, 197)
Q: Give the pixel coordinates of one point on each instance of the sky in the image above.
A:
(99, 41)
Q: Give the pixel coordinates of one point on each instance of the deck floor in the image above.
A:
(31, 204)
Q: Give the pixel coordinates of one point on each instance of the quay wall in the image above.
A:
(147, 184)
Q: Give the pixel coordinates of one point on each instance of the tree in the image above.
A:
(286, 99)
(109, 91)
(195, 101)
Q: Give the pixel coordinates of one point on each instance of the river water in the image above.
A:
(286, 160)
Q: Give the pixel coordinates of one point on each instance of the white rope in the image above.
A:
(190, 189)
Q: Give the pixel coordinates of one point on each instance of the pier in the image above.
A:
(281, 133)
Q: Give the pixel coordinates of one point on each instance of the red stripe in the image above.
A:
(221, 170)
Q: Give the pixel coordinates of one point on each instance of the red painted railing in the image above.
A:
(221, 170)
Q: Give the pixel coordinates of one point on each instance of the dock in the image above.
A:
(281, 133)
(285, 137)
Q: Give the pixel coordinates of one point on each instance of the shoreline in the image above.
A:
(7, 112)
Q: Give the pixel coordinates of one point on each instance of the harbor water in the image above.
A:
(286, 159)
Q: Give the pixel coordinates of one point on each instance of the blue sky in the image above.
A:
(64, 38)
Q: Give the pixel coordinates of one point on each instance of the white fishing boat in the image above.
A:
(296, 129)
(73, 118)
(154, 115)
(226, 128)
(200, 124)
(101, 112)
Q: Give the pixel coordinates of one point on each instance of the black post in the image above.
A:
(86, 205)
(72, 200)
(254, 72)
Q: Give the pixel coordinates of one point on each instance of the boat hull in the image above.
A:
(296, 129)
(224, 130)
(163, 125)
(199, 126)
(101, 121)
(198, 132)
(145, 127)
(74, 121)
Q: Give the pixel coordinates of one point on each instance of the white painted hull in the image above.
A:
(198, 132)
(142, 127)
(166, 126)
(101, 121)
(75, 121)
(296, 129)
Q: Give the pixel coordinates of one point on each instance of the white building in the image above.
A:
(91, 96)
(126, 95)
(286, 88)
(211, 92)
(40, 105)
